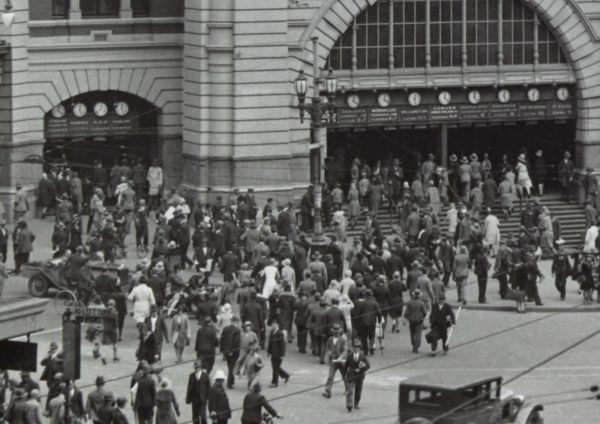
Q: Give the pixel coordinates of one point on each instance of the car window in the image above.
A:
(425, 397)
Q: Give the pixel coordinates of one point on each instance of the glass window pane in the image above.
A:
(361, 35)
(361, 56)
(384, 11)
(384, 35)
(553, 53)
(435, 56)
(471, 55)
(528, 31)
(457, 33)
(409, 34)
(420, 31)
(60, 8)
(420, 53)
(398, 35)
(409, 12)
(517, 11)
(446, 33)
(346, 39)
(409, 57)
(398, 12)
(507, 52)
(108, 7)
(492, 10)
(372, 35)
(507, 32)
(346, 58)
(457, 11)
(446, 11)
(372, 60)
(446, 56)
(334, 59)
(434, 33)
(481, 54)
(384, 58)
(517, 54)
(398, 57)
(471, 33)
(456, 56)
(471, 10)
(518, 32)
(482, 33)
(434, 11)
(492, 32)
(482, 10)
(507, 9)
(528, 53)
(420, 12)
(492, 54)
(543, 52)
(140, 7)
(371, 14)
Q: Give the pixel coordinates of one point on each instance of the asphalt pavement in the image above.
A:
(493, 340)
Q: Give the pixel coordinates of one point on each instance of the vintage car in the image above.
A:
(427, 397)
(44, 276)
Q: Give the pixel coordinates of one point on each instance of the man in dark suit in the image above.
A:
(415, 313)
(230, 264)
(333, 316)
(318, 330)
(3, 240)
(52, 364)
(252, 311)
(158, 325)
(300, 308)
(356, 366)
(145, 397)
(118, 417)
(566, 170)
(276, 350)
(253, 404)
(441, 318)
(197, 393)
(207, 342)
(367, 313)
(218, 402)
(229, 346)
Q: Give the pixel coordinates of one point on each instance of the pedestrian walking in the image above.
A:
(414, 314)
(356, 367)
(207, 342)
(481, 269)
(561, 269)
(253, 404)
(230, 345)
(158, 325)
(197, 393)
(218, 402)
(253, 366)
(460, 273)
(336, 348)
(180, 332)
(441, 319)
(276, 350)
(166, 404)
(145, 396)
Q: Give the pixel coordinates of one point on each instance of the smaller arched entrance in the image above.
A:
(101, 126)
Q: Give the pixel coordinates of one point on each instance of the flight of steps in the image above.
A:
(572, 219)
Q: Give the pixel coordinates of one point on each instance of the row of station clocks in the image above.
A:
(445, 98)
(100, 109)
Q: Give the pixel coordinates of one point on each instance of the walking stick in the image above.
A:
(451, 332)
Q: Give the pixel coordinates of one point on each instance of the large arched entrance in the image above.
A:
(450, 76)
(101, 126)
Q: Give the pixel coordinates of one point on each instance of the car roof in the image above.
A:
(451, 380)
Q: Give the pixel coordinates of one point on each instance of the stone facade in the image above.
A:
(221, 73)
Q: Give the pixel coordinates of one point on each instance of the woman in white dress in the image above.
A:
(523, 180)
(491, 232)
(346, 306)
(142, 298)
(271, 276)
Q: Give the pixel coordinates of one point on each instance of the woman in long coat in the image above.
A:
(354, 204)
(546, 233)
(45, 194)
(375, 194)
(166, 404)
(180, 331)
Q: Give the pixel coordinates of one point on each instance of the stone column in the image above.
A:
(74, 10)
(125, 11)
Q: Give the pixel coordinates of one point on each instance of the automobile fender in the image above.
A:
(525, 412)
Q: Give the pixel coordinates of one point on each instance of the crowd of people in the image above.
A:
(337, 303)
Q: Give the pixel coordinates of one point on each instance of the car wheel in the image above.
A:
(38, 286)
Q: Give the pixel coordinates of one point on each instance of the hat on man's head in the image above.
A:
(416, 293)
(220, 375)
(100, 381)
(336, 328)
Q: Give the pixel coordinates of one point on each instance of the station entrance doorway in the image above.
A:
(412, 145)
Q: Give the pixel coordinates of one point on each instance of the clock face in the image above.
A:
(353, 101)
(504, 96)
(79, 110)
(414, 99)
(58, 111)
(384, 99)
(444, 98)
(474, 97)
(122, 108)
(533, 94)
(100, 109)
(562, 93)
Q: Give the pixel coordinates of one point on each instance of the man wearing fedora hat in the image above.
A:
(356, 366)
(415, 312)
(336, 348)
(17, 410)
(198, 389)
(276, 350)
(566, 171)
(218, 402)
(441, 318)
(207, 341)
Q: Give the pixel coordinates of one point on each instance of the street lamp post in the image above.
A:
(317, 111)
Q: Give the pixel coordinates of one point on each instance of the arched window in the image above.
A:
(445, 33)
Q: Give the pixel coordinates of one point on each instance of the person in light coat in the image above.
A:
(491, 232)
(142, 298)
